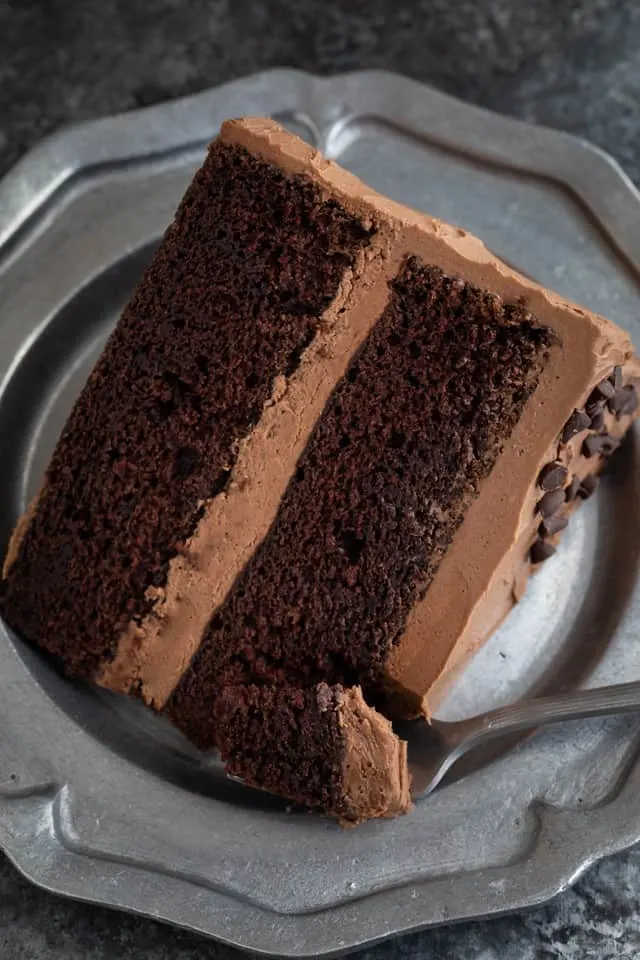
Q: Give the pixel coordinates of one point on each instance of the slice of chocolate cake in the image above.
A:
(319, 746)
(323, 449)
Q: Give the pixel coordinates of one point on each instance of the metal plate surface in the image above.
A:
(101, 801)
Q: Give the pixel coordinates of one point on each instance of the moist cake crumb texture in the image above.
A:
(287, 740)
(408, 434)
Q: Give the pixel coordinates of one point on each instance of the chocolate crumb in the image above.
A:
(577, 422)
(324, 697)
(552, 476)
(541, 551)
(552, 525)
(551, 502)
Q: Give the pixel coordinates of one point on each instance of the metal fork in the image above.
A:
(434, 747)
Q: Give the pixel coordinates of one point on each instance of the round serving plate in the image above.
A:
(101, 800)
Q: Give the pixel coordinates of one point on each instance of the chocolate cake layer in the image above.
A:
(286, 740)
(376, 498)
(232, 298)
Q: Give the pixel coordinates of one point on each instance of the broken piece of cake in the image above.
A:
(323, 449)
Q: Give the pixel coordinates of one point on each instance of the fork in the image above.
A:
(435, 746)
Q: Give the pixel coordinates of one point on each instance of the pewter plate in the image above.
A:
(103, 802)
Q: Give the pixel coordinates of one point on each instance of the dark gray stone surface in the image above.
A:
(571, 64)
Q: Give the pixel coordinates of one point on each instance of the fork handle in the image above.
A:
(601, 701)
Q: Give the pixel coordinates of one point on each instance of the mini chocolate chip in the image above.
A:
(577, 422)
(603, 390)
(601, 443)
(551, 502)
(625, 401)
(541, 551)
(609, 444)
(630, 404)
(552, 476)
(616, 377)
(552, 525)
(588, 486)
(597, 420)
(592, 445)
(617, 402)
(593, 407)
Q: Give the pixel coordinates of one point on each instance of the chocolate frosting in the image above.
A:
(375, 776)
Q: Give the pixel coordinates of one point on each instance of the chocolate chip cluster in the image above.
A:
(619, 400)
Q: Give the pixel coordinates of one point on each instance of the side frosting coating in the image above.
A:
(375, 773)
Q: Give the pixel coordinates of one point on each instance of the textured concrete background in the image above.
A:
(571, 64)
